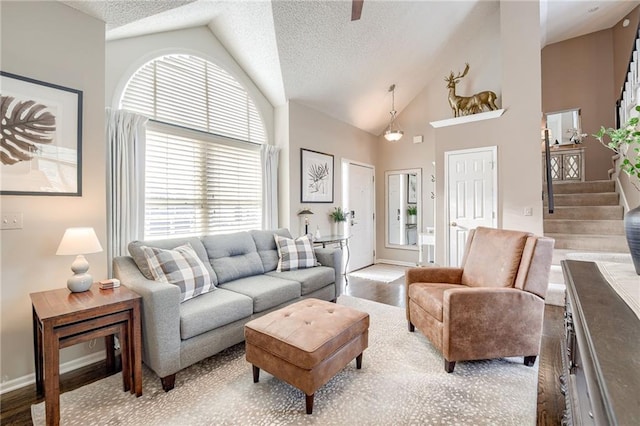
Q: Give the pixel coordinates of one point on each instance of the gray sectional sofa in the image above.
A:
(243, 267)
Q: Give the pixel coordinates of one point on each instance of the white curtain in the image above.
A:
(125, 180)
(269, 159)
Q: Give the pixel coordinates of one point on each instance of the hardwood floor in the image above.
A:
(15, 406)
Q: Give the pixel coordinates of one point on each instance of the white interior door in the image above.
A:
(471, 191)
(360, 203)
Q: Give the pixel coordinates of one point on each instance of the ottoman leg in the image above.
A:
(309, 403)
(256, 374)
(359, 361)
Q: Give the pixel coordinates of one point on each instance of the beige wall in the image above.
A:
(480, 47)
(316, 131)
(588, 72)
(57, 44)
(516, 133)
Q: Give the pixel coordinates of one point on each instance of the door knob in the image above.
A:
(454, 224)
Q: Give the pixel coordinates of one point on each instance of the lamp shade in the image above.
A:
(79, 241)
(304, 211)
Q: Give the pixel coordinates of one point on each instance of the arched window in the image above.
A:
(202, 165)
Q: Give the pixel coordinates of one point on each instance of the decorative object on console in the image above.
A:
(41, 137)
(466, 105)
(626, 140)
(79, 241)
(338, 217)
(305, 213)
(393, 132)
(316, 177)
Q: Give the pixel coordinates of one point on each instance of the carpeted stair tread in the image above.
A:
(585, 199)
(583, 187)
(578, 226)
(586, 212)
(617, 243)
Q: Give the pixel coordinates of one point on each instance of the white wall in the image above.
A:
(125, 56)
(316, 131)
(54, 43)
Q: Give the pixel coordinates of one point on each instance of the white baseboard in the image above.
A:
(23, 381)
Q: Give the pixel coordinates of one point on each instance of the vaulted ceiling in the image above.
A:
(311, 52)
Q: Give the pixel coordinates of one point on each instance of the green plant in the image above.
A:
(412, 210)
(339, 215)
(627, 136)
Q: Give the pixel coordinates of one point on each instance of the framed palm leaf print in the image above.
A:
(41, 137)
(316, 177)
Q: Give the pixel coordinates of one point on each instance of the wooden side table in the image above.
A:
(62, 319)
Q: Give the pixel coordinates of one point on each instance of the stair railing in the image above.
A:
(547, 161)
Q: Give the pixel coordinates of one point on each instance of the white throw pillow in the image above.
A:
(295, 254)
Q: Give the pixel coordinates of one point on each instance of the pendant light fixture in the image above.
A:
(393, 132)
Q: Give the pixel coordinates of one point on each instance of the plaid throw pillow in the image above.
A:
(295, 254)
(180, 266)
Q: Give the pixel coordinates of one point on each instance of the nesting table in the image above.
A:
(62, 319)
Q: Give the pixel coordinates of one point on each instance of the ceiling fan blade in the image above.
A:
(356, 9)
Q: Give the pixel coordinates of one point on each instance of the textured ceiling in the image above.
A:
(309, 51)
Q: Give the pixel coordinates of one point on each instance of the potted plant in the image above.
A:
(338, 215)
(412, 214)
(622, 140)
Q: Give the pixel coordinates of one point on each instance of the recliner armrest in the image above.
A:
(448, 275)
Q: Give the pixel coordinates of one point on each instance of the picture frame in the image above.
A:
(42, 137)
(412, 185)
(316, 177)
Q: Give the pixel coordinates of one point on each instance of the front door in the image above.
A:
(471, 196)
(359, 202)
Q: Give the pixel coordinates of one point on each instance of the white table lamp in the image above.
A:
(79, 241)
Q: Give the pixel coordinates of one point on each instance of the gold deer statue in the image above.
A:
(465, 105)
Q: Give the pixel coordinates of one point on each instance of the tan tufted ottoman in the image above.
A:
(306, 343)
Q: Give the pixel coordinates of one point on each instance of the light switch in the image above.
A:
(11, 221)
(528, 211)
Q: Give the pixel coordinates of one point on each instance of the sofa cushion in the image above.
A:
(233, 256)
(194, 242)
(295, 254)
(266, 291)
(213, 310)
(493, 257)
(181, 267)
(266, 246)
(429, 296)
(311, 279)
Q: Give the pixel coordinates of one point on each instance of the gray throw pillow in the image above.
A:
(181, 267)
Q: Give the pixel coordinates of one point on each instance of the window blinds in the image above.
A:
(202, 166)
(200, 186)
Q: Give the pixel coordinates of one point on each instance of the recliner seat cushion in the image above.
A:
(311, 279)
(429, 296)
(266, 291)
(212, 310)
(493, 258)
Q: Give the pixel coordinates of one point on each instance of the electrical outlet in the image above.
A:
(528, 211)
(11, 221)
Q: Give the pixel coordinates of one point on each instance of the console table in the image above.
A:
(601, 353)
(62, 319)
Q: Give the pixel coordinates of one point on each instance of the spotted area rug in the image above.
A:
(402, 382)
(380, 272)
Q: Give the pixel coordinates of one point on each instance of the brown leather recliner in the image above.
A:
(490, 307)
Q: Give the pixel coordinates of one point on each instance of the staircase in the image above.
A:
(587, 217)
